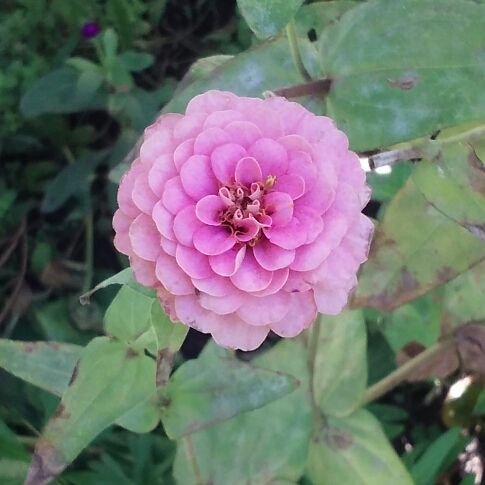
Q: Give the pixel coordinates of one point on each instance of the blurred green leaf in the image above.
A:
(386, 185)
(387, 86)
(256, 446)
(199, 394)
(354, 450)
(109, 381)
(58, 92)
(265, 67)
(415, 249)
(136, 61)
(109, 40)
(424, 471)
(268, 17)
(48, 365)
(339, 381)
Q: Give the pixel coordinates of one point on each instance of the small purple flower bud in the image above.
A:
(90, 30)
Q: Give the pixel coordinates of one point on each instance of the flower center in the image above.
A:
(244, 213)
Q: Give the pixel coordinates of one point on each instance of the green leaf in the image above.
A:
(267, 66)
(386, 185)
(57, 92)
(388, 85)
(339, 381)
(319, 15)
(136, 61)
(454, 183)
(354, 450)
(109, 381)
(109, 40)
(199, 394)
(48, 365)
(268, 17)
(424, 471)
(415, 249)
(257, 446)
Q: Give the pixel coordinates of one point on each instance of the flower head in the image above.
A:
(245, 215)
(90, 30)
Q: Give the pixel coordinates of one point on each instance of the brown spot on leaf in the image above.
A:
(337, 438)
(404, 84)
(47, 463)
(74, 374)
(476, 229)
(165, 360)
(475, 172)
(61, 412)
(29, 347)
(470, 339)
(130, 353)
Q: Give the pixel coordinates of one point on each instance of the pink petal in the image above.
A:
(247, 229)
(279, 279)
(268, 122)
(300, 163)
(222, 305)
(265, 309)
(208, 210)
(330, 302)
(270, 155)
(169, 246)
(160, 173)
(248, 171)
(214, 285)
(272, 257)
(121, 225)
(174, 196)
(144, 271)
(183, 152)
(195, 264)
(190, 312)
(163, 220)
(143, 196)
(279, 205)
(301, 314)
(320, 197)
(224, 160)
(297, 282)
(251, 276)
(198, 178)
(347, 202)
(234, 333)
(158, 144)
(292, 184)
(145, 238)
(189, 127)
(243, 133)
(227, 263)
(165, 122)
(295, 143)
(125, 191)
(291, 236)
(211, 101)
(219, 119)
(172, 277)
(167, 301)
(208, 140)
(185, 224)
(310, 220)
(212, 240)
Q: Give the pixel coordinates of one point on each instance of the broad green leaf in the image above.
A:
(266, 67)
(143, 417)
(48, 365)
(136, 61)
(268, 17)
(123, 277)
(354, 450)
(319, 15)
(415, 249)
(128, 316)
(10, 445)
(109, 40)
(57, 92)
(454, 183)
(201, 394)
(417, 321)
(340, 368)
(109, 380)
(257, 446)
(389, 86)
(12, 472)
(386, 185)
(426, 468)
(463, 297)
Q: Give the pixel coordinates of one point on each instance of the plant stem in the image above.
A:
(395, 378)
(313, 335)
(189, 449)
(88, 252)
(295, 51)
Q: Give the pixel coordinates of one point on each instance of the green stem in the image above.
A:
(469, 135)
(189, 449)
(295, 51)
(88, 252)
(399, 375)
(313, 336)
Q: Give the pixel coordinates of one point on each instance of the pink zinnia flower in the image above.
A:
(245, 215)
